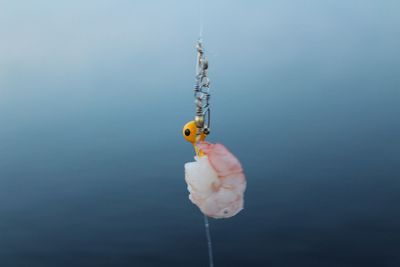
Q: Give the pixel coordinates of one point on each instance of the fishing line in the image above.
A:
(202, 96)
(209, 243)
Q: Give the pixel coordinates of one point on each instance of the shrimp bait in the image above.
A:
(216, 182)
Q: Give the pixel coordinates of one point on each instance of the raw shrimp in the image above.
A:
(216, 181)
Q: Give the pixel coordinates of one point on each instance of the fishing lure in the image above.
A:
(216, 182)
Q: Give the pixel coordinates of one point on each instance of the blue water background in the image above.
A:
(93, 95)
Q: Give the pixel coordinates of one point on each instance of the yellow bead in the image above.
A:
(189, 132)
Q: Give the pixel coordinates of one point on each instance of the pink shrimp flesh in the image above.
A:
(216, 181)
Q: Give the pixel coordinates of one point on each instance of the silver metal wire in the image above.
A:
(202, 90)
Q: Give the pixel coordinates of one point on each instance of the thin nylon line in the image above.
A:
(207, 227)
(201, 18)
(209, 243)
